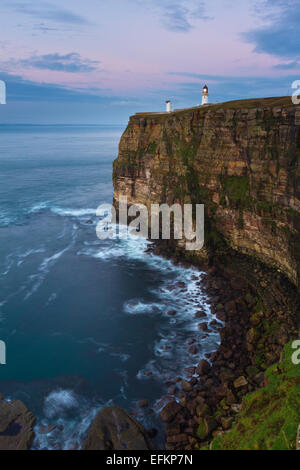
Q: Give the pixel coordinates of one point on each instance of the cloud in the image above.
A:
(177, 15)
(20, 90)
(46, 11)
(280, 35)
(71, 62)
(287, 66)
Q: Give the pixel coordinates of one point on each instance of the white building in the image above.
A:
(168, 106)
(205, 95)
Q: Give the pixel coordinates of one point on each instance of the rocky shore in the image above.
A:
(260, 311)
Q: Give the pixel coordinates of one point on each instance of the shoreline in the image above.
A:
(260, 311)
(257, 313)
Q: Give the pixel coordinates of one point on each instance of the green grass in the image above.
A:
(271, 102)
(236, 187)
(270, 416)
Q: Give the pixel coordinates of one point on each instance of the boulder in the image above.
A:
(16, 426)
(240, 382)
(206, 426)
(226, 422)
(114, 429)
(186, 386)
(172, 313)
(169, 412)
(203, 367)
(193, 350)
(143, 404)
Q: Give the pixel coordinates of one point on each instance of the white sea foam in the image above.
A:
(73, 212)
(70, 415)
(37, 279)
(62, 211)
(60, 401)
(28, 253)
(8, 265)
(40, 206)
(137, 307)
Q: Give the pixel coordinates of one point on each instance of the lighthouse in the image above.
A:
(168, 106)
(205, 95)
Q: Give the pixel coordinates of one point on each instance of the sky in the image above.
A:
(100, 61)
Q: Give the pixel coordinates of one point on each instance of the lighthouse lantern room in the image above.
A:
(205, 95)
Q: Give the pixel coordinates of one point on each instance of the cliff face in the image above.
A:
(241, 159)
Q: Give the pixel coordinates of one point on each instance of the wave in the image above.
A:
(66, 419)
(6, 219)
(134, 307)
(60, 401)
(62, 211)
(44, 268)
(73, 212)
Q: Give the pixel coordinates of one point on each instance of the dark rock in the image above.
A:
(186, 386)
(200, 314)
(114, 429)
(16, 426)
(203, 326)
(172, 313)
(203, 368)
(190, 341)
(169, 412)
(177, 439)
(143, 404)
(190, 370)
(240, 382)
(226, 422)
(152, 433)
(193, 350)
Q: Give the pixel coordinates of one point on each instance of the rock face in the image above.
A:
(16, 426)
(114, 429)
(241, 159)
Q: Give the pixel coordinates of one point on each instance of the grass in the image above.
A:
(283, 101)
(270, 416)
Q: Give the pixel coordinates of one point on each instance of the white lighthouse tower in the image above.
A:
(168, 106)
(205, 95)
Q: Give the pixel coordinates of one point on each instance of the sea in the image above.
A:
(87, 323)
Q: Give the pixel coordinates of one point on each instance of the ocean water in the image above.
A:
(85, 321)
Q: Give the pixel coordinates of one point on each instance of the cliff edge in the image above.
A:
(240, 158)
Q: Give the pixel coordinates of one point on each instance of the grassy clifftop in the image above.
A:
(282, 101)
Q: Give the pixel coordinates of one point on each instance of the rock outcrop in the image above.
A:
(16, 426)
(114, 429)
(241, 159)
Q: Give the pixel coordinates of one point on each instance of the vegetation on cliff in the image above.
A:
(270, 416)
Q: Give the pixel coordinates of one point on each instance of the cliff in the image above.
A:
(241, 159)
